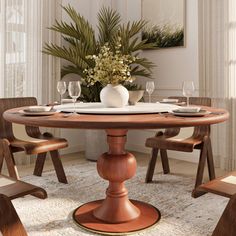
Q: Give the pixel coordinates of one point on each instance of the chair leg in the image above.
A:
(10, 161)
(210, 162)
(10, 223)
(1, 158)
(226, 225)
(58, 166)
(165, 161)
(40, 160)
(151, 166)
(200, 171)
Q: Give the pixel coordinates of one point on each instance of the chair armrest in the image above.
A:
(48, 135)
(159, 133)
(4, 141)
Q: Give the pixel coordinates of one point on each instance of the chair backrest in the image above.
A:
(201, 101)
(9, 103)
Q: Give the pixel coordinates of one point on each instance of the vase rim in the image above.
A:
(113, 85)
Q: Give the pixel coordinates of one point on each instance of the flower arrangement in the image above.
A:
(96, 58)
(110, 67)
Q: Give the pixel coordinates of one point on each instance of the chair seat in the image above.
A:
(224, 186)
(13, 188)
(165, 142)
(38, 145)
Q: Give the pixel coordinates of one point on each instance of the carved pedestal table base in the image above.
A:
(116, 214)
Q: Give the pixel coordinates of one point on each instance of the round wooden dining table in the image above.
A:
(116, 214)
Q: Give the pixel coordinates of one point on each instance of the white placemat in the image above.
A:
(230, 179)
(98, 108)
(5, 181)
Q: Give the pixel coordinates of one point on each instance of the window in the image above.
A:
(24, 70)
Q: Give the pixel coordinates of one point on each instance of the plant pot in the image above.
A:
(95, 144)
(135, 96)
(114, 96)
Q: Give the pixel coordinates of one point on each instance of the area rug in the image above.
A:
(171, 194)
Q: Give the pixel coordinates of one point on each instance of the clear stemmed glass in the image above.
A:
(150, 86)
(188, 89)
(61, 88)
(74, 89)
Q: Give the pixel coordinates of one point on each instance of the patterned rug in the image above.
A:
(181, 214)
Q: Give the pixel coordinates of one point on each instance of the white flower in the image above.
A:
(110, 67)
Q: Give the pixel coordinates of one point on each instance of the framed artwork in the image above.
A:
(166, 22)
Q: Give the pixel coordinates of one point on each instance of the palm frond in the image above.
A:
(66, 29)
(61, 52)
(144, 62)
(82, 26)
(69, 40)
(108, 25)
(130, 37)
(136, 27)
(71, 69)
(136, 71)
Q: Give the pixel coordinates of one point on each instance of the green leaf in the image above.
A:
(108, 25)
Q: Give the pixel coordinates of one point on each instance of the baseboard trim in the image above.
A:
(72, 149)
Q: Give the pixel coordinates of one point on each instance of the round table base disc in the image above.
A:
(83, 216)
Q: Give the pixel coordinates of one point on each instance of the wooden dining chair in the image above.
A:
(10, 224)
(200, 139)
(9, 144)
(224, 186)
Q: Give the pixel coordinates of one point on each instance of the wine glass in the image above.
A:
(74, 89)
(150, 86)
(188, 89)
(61, 88)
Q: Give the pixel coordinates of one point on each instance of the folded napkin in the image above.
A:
(188, 109)
(38, 108)
(170, 100)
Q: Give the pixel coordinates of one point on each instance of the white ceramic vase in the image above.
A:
(114, 96)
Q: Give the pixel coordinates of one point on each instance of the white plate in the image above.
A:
(188, 109)
(41, 113)
(174, 103)
(98, 108)
(38, 109)
(191, 114)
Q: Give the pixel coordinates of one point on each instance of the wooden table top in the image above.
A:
(142, 121)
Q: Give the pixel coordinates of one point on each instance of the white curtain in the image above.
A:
(24, 70)
(217, 30)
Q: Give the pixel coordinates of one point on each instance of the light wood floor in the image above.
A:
(176, 166)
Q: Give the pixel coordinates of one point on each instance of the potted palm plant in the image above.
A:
(80, 41)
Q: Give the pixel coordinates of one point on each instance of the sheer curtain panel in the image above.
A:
(217, 37)
(24, 70)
